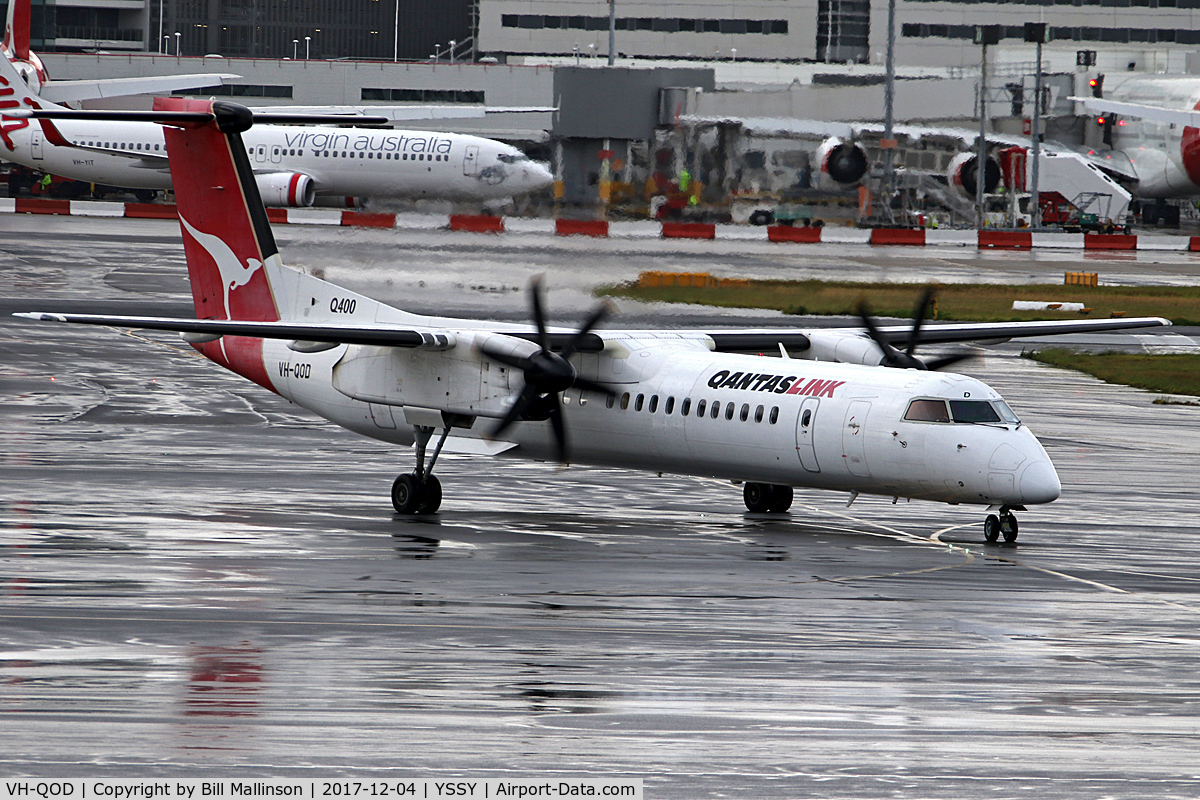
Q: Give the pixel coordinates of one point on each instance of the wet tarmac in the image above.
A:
(196, 577)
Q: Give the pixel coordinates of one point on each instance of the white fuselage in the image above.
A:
(841, 427)
(354, 162)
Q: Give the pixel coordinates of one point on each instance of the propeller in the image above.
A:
(547, 374)
(906, 358)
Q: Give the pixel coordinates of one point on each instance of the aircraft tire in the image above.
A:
(430, 496)
(407, 495)
(758, 497)
(991, 529)
(781, 499)
(1008, 527)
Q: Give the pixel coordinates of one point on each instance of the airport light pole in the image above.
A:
(307, 40)
(1036, 32)
(888, 143)
(177, 37)
(612, 32)
(396, 35)
(453, 44)
(160, 26)
(984, 35)
(295, 48)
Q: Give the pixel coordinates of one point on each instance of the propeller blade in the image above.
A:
(946, 361)
(598, 313)
(509, 360)
(527, 396)
(535, 305)
(560, 429)
(592, 386)
(891, 355)
(914, 334)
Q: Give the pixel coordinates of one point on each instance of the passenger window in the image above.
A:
(637, 405)
(685, 406)
(758, 414)
(973, 411)
(745, 415)
(625, 401)
(611, 401)
(729, 408)
(775, 414)
(653, 404)
(715, 410)
(927, 411)
(700, 408)
(670, 405)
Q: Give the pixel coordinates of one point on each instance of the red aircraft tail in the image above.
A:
(227, 239)
(16, 29)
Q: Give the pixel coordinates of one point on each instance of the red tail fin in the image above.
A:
(16, 30)
(226, 235)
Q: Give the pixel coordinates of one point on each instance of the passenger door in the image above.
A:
(471, 161)
(805, 425)
(854, 437)
(35, 143)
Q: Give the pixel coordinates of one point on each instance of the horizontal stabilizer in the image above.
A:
(194, 117)
(75, 91)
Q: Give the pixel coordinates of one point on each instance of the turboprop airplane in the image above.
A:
(855, 414)
(294, 166)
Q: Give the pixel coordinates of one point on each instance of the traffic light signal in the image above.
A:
(1097, 85)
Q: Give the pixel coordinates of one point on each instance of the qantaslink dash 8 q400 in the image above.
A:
(294, 165)
(856, 412)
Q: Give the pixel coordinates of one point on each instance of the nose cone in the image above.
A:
(535, 175)
(1039, 483)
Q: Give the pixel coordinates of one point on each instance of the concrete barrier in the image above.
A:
(361, 219)
(1109, 241)
(39, 205)
(476, 223)
(151, 211)
(902, 236)
(790, 233)
(689, 230)
(581, 227)
(1005, 240)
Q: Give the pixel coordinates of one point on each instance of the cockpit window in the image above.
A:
(1006, 413)
(512, 158)
(927, 411)
(973, 411)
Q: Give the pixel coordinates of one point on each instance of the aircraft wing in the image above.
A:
(1175, 116)
(798, 339)
(73, 91)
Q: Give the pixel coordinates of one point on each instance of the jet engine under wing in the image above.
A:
(73, 91)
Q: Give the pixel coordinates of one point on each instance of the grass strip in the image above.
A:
(964, 302)
(1170, 374)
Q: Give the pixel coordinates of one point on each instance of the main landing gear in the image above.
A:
(420, 492)
(767, 497)
(1003, 525)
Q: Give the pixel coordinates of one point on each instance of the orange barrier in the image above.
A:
(914, 236)
(476, 223)
(151, 211)
(1005, 240)
(38, 205)
(1081, 279)
(676, 279)
(581, 227)
(277, 215)
(363, 220)
(790, 233)
(689, 230)
(1194, 245)
(1109, 241)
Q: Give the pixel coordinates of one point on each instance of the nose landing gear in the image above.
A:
(767, 497)
(420, 492)
(1003, 525)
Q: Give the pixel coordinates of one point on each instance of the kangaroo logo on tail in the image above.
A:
(233, 274)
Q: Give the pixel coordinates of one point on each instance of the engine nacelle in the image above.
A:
(842, 162)
(844, 348)
(338, 201)
(286, 189)
(962, 170)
